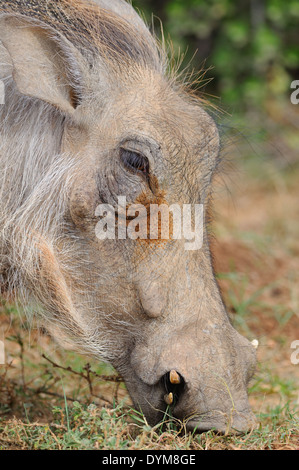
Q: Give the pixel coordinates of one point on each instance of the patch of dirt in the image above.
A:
(257, 239)
(269, 274)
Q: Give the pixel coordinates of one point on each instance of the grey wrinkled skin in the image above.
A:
(84, 82)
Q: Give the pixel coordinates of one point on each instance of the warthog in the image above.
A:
(93, 111)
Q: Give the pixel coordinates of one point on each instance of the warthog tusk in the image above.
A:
(168, 399)
(255, 343)
(174, 377)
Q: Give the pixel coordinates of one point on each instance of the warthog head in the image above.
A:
(92, 113)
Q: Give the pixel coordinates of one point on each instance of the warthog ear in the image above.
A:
(41, 62)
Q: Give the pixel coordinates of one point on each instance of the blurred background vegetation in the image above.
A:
(250, 49)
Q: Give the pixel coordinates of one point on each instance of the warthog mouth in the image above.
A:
(237, 422)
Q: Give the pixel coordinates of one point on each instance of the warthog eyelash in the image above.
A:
(135, 162)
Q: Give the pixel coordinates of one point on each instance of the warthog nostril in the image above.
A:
(173, 384)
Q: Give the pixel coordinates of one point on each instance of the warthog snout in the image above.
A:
(176, 396)
(201, 381)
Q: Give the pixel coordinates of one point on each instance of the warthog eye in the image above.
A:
(135, 162)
